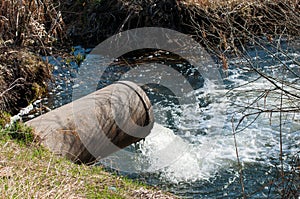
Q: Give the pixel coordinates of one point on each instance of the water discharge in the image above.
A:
(191, 150)
(200, 148)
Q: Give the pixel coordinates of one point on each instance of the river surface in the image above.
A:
(191, 150)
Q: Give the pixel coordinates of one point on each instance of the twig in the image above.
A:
(238, 160)
(12, 86)
(280, 141)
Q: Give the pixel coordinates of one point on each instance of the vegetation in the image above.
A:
(215, 23)
(4, 118)
(27, 170)
(218, 25)
(23, 78)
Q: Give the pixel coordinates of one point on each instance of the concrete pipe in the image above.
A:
(98, 124)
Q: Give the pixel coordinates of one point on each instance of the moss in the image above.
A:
(23, 78)
(4, 118)
(38, 91)
(18, 132)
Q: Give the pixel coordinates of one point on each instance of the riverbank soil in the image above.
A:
(23, 78)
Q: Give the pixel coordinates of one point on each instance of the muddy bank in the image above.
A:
(23, 78)
(27, 29)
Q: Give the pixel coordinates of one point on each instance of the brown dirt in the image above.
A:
(23, 77)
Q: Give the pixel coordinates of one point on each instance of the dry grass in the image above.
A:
(23, 78)
(29, 22)
(218, 25)
(234, 4)
(228, 25)
(29, 171)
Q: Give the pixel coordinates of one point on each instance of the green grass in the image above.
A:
(4, 118)
(18, 132)
(28, 170)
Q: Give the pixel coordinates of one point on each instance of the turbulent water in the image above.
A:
(191, 150)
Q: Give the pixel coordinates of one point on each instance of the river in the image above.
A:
(191, 150)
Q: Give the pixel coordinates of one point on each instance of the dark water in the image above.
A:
(201, 160)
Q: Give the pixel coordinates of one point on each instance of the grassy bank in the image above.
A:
(27, 170)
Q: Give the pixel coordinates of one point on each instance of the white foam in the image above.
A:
(22, 112)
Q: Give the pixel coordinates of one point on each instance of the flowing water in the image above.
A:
(191, 149)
